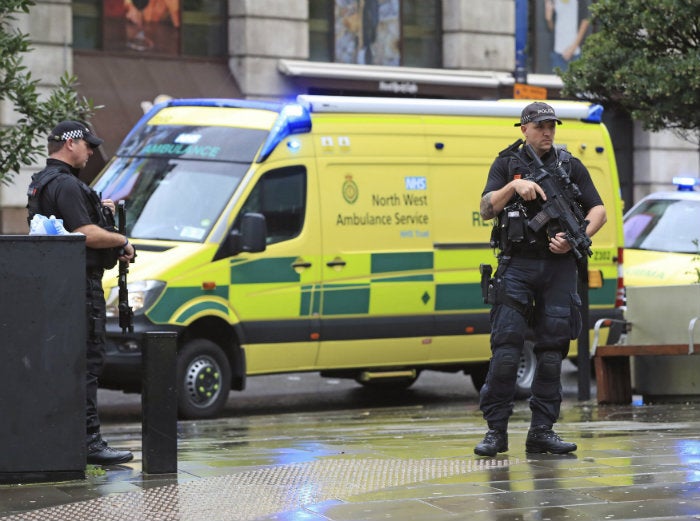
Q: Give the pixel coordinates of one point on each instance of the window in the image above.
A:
(159, 27)
(320, 31)
(280, 196)
(671, 225)
(557, 31)
(421, 28)
(377, 32)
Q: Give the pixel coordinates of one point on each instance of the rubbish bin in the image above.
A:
(42, 358)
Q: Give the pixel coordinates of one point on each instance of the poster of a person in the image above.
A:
(367, 32)
(142, 25)
(569, 20)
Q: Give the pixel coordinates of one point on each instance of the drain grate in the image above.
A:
(255, 493)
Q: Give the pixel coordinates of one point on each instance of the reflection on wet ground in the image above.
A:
(407, 463)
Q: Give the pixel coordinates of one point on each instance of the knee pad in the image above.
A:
(504, 362)
(549, 364)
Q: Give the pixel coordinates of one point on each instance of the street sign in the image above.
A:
(524, 91)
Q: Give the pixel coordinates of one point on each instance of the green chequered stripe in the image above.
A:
(458, 297)
(173, 298)
(263, 270)
(604, 296)
(454, 297)
(345, 299)
(409, 261)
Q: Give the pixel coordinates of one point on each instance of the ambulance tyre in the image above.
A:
(526, 372)
(204, 379)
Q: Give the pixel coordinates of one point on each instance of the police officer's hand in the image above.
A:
(128, 253)
(108, 203)
(559, 244)
(528, 190)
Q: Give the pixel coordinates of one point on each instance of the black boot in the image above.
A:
(542, 439)
(495, 441)
(99, 453)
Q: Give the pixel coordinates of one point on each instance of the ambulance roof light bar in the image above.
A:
(357, 104)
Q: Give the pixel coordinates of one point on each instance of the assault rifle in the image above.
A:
(126, 314)
(560, 203)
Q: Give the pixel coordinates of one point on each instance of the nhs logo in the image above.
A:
(416, 183)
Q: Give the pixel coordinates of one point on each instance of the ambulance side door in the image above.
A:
(378, 289)
(272, 291)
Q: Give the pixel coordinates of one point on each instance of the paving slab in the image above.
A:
(406, 463)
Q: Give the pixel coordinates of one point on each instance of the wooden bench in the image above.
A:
(612, 362)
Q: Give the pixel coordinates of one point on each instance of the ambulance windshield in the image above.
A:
(169, 198)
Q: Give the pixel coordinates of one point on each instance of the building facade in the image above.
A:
(129, 53)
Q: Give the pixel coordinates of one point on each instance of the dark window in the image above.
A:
(87, 24)
(378, 32)
(280, 196)
(320, 30)
(156, 27)
(421, 26)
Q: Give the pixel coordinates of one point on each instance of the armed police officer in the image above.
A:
(57, 190)
(534, 286)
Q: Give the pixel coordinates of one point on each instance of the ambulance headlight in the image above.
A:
(142, 295)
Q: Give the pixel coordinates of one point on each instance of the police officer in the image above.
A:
(57, 190)
(535, 286)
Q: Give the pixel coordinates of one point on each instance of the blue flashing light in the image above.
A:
(595, 114)
(686, 183)
(294, 145)
(293, 119)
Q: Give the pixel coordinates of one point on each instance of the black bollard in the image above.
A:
(584, 344)
(159, 403)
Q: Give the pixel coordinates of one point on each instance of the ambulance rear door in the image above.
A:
(461, 150)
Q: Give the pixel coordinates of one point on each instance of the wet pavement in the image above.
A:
(408, 463)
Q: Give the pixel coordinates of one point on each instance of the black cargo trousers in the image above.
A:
(96, 317)
(546, 300)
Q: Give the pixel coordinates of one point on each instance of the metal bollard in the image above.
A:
(159, 403)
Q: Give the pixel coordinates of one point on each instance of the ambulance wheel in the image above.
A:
(526, 372)
(204, 379)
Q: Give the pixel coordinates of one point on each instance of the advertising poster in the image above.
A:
(367, 32)
(142, 25)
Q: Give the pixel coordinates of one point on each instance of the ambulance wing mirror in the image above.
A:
(250, 236)
(253, 232)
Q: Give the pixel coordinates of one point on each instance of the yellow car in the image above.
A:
(662, 234)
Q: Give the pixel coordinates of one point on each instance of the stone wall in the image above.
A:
(479, 35)
(260, 33)
(49, 25)
(658, 157)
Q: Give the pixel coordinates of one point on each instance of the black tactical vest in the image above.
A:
(94, 258)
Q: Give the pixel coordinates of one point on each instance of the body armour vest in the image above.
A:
(94, 258)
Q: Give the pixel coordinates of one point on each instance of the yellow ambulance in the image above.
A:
(333, 234)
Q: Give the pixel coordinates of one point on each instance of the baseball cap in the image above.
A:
(74, 130)
(537, 111)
